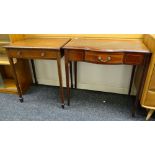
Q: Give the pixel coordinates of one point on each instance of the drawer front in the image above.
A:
(104, 58)
(34, 54)
(75, 55)
(152, 81)
(150, 99)
(133, 59)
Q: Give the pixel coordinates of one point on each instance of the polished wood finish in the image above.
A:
(148, 94)
(150, 99)
(133, 58)
(34, 72)
(77, 55)
(75, 74)
(22, 68)
(49, 48)
(107, 45)
(46, 43)
(5, 61)
(10, 87)
(102, 58)
(16, 79)
(141, 82)
(150, 112)
(16, 37)
(152, 80)
(132, 78)
(117, 36)
(32, 53)
(71, 75)
(67, 78)
(60, 78)
(103, 51)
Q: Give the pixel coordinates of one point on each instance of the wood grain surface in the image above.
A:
(107, 45)
(44, 43)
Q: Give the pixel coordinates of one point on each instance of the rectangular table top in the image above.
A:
(41, 43)
(107, 45)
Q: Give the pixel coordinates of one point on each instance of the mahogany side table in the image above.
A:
(107, 52)
(43, 48)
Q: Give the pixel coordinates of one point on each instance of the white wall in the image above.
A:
(107, 78)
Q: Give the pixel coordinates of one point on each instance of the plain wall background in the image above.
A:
(107, 78)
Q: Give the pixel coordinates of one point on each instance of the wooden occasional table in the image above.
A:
(50, 48)
(107, 52)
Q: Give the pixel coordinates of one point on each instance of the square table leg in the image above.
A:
(141, 83)
(75, 74)
(71, 75)
(16, 80)
(67, 79)
(34, 72)
(132, 78)
(60, 81)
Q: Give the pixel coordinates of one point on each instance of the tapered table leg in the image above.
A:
(131, 80)
(34, 72)
(60, 81)
(141, 83)
(67, 80)
(75, 73)
(16, 80)
(71, 75)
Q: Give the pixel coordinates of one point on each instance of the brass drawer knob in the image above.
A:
(106, 60)
(43, 54)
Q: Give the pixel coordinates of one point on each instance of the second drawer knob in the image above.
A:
(43, 54)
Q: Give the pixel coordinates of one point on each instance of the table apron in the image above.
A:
(33, 54)
(114, 58)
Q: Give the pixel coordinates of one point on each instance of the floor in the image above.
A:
(41, 103)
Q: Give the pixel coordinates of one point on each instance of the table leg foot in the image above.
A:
(21, 99)
(63, 106)
(133, 114)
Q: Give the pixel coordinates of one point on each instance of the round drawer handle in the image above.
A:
(43, 54)
(106, 60)
(19, 53)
